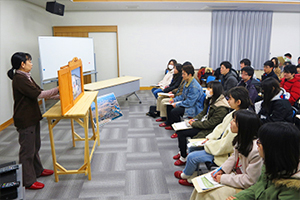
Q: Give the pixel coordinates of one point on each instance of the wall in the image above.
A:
(148, 40)
(21, 24)
(286, 35)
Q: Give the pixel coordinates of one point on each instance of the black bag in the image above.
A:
(152, 112)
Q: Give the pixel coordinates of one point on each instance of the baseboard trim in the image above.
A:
(11, 121)
(146, 88)
(6, 124)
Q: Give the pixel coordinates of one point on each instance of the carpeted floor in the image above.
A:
(134, 160)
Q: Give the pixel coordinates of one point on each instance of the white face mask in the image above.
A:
(170, 67)
(208, 95)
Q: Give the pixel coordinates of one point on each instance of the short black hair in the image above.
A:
(288, 55)
(281, 146)
(249, 70)
(287, 63)
(226, 64)
(246, 62)
(248, 124)
(269, 63)
(187, 63)
(189, 69)
(242, 94)
(290, 69)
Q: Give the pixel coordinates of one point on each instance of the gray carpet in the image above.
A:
(134, 160)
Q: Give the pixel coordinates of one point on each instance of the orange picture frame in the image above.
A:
(70, 80)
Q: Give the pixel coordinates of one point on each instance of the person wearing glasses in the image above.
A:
(279, 146)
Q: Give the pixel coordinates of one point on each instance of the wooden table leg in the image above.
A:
(73, 132)
(97, 121)
(87, 150)
(50, 126)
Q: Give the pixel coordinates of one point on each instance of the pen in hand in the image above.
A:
(217, 170)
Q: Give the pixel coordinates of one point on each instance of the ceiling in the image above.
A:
(167, 5)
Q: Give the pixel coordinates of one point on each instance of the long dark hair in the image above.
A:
(217, 89)
(248, 124)
(16, 61)
(270, 87)
(281, 146)
(178, 67)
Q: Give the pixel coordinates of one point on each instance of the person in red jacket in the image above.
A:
(291, 83)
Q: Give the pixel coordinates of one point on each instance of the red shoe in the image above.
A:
(47, 172)
(163, 124)
(184, 182)
(176, 157)
(160, 120)
(177, 174)
(174, 136)
(36, 186)
(179, 163)
(168, 128)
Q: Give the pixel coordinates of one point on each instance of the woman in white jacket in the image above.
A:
(167, 78)
(218, 144)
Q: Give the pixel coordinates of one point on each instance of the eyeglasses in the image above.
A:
(258, 142)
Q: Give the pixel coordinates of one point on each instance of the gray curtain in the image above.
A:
(240, 34)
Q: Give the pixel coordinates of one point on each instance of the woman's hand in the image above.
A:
(231, 198)
(172, 95)
(191, 121)
(218, 178)
(219, 173)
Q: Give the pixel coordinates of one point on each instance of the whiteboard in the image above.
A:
(56, 52)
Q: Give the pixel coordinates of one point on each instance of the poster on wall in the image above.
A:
(108, 109)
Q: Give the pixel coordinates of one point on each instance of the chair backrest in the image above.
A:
(210, 78)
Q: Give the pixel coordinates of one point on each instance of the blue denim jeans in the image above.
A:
(155, 91)
(193, 160)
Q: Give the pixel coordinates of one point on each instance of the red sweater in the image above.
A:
(293, 87)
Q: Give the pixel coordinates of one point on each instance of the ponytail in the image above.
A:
(16, 61)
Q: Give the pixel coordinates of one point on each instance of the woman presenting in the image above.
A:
(27, 116)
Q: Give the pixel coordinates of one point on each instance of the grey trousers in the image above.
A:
(30, 143)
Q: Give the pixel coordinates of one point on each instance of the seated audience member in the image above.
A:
(242, 169)
(290, 83)
(278, 145)
(268, 69)
(218, 74)
(273, 107)
(189, 103)
(299, 60)
(218, 144)
(162, 102)
(177, 78)
(167, 78)
(276, 68)
(249, 83)
(229, 79)
(298, 71)
(214, 111)
(288, 57)
(246, 63)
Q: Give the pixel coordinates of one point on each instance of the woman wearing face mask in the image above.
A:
(215, 109)
(165, 82)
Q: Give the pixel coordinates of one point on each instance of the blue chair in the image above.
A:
(210, 78)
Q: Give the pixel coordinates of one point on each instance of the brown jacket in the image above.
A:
(26, 108)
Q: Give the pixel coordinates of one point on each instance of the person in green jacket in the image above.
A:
(279, 146)
(215, 109)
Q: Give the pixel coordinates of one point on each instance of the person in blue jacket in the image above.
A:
(189, 103)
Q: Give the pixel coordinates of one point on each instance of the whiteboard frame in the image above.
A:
(56, 52)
